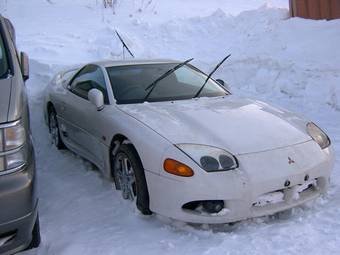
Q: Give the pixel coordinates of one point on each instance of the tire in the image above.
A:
(132, 187)
(36, 239)
(53, 128)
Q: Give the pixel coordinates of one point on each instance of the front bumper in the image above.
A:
(259, 174)
(18, 233)
(18, 212)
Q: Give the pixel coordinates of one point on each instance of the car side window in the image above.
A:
(90, 77)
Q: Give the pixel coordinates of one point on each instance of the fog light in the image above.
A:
(213, 206)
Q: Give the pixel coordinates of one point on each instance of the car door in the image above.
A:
(81, 120)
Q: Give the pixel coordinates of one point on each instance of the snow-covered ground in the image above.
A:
(293, 63)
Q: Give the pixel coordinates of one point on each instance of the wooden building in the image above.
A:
(315, 9)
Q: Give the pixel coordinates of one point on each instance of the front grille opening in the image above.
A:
(269, 198)
(287, 194)
(308, 186)
(191, 205)
(211, 207)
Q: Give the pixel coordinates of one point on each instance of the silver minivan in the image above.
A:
(19, 221)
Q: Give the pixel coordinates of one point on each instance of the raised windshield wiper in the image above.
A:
(124, 45)
(213, 71)
(167, 73)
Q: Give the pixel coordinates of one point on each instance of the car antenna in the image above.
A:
(124, 46)
(212, 72)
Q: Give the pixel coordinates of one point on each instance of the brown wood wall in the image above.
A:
(315, 9)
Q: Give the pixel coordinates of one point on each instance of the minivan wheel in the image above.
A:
(54, 130)
(35, 235)
(129, 177)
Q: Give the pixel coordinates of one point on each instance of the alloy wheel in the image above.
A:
(125, 176)
(54, 130)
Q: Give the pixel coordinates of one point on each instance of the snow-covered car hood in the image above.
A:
(235, 124)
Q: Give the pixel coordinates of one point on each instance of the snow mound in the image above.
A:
(334, 99)
(271, 54)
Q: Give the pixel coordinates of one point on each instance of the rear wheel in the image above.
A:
(54, 130)
(129, 177)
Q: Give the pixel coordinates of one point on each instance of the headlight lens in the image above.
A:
(16, 159)
(14, 137)
(318, 135)
(13, 160)
(209, 158)
(13, 152)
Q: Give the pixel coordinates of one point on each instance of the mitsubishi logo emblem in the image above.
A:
(290, 161)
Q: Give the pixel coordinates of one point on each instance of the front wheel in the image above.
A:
(129, 177)
(54, 130)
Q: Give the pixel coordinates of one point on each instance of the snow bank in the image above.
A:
(271, 54)
(334, 99)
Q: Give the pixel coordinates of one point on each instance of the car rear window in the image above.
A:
(3, 59)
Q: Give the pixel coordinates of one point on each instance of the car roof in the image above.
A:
(110, 63)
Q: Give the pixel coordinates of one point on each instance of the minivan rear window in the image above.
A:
(3, 59)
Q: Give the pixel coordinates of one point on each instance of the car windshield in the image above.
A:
(3, 59)
(129, 83)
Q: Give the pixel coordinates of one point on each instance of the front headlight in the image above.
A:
(17, 158)
(209, 158)
(12, 136)
(13, 152)
(318, 135)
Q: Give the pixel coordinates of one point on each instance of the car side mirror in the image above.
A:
(96, 97)
(221, 82)
(24, 65)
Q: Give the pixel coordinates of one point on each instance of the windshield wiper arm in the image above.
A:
(167, 73)
(124, 45)
(213, 71)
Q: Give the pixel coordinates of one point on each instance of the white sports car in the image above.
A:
(183, 150)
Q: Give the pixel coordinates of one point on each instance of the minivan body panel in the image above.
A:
(18, 199)
(5, 95)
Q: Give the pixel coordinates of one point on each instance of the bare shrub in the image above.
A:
(108, 3)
